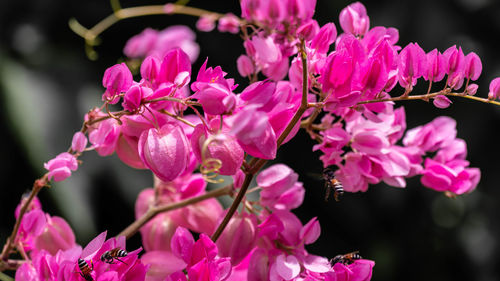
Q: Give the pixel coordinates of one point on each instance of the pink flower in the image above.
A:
(436, 134)
(412, 65)
(354, 19)
(221, 146)
(56, 235)
(473, 66)
(117, 79)
(245, 65)
(242, 228)
(494, 89)
(308, 30)
(141, 44)
(455, 66)
(133, 97)
(325, 37)
(436, 66)
(174, 62)
(104, 136)
(150, 69)
(266, 50)
(60, 167)
(230, 23)
(152, 42)
(165, 151)
(254, 133)
(280, 189)
(79, 142)
(453, 176)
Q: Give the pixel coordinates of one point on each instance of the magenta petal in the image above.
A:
(254, 133)
(288, 267)
(165, 151)
(34, 222)
(161, 264)
(182, 244)
(94, 246)
(311, 231)
(441, 101)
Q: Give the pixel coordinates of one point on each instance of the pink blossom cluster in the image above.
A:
(189, 129)
(52, 253)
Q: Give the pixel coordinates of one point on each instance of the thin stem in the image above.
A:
(91, 34)
(429, 96)
(5, 277)
(234, 206)
(303, 103)
(10, 264)
(9, 245)
(152, 212)
(177, 118)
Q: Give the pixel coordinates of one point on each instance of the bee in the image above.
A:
(85, 269)
(114, 254)
(346, 259)
(332, 183)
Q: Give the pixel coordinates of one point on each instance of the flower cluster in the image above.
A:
(188, 130)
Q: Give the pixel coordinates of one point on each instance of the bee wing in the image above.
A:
(93, 246)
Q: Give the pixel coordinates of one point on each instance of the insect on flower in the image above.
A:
(85, 269)
(114, 254)
(87, 254)
(332, 183)
(346, 259)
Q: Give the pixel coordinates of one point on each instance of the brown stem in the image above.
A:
(234, 206)
(431, 95)
(256, 164)
(90, 35)
(303, 103)
(10, 264)
(152, 212)
(9, 245)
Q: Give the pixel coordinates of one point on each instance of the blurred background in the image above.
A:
(47, 84)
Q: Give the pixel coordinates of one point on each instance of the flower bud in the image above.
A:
(165, 151)
(471, 89)
(238, 238)
(441, 101)
(354, 19)
(79, 142)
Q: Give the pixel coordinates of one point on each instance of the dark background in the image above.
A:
(47, 84)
